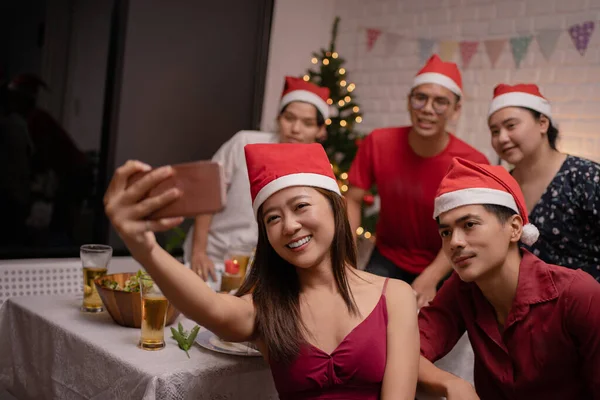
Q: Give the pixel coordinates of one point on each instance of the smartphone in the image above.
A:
(202, 185)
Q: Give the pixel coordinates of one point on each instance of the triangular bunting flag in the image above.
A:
(425, 48)
(494, 48)
(467, 51)
(391, 41)
(447, 49)
(581, 34)
(547, 41)
(519, 46)
(372, 36)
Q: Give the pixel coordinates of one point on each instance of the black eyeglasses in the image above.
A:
(420, 100)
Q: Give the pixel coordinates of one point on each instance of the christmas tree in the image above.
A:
(342, 138)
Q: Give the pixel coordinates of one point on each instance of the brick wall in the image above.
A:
(383, 75)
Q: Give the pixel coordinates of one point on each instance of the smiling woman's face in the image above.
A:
(516, 134)
(300, 225)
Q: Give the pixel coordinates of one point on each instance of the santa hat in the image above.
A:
(276, 166)
(445, 74)
(521, 95)
(468, 183)
(297, 89)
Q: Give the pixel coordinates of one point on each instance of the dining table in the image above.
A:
(52, 350)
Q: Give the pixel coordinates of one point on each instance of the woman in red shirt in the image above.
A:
(327, 329)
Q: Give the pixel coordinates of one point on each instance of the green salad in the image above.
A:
(132, 284)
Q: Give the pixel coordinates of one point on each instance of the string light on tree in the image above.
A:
(360, 230)
(342, 140)
(306, 78)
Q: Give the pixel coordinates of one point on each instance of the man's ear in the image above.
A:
(457, 111)
(516, 226)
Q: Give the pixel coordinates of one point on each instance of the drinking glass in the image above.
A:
(154, 315)
(94, 260)
(240, 257)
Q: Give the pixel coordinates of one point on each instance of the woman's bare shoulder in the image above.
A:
(364, 278)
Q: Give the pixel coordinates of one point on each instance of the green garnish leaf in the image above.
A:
(185, 341)
(193, 335)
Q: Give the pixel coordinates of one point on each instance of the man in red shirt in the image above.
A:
(407, 165)
(533, 326)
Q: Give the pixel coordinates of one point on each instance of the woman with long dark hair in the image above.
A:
(562, 191)
(327, 329)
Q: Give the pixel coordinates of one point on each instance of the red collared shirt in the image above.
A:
(550, 347)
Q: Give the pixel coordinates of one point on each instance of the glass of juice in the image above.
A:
(154, 315)
(94, 259)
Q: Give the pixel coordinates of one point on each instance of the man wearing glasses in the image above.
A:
(407, 165)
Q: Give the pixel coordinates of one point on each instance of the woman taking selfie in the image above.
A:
(562, 191)
(327, 329)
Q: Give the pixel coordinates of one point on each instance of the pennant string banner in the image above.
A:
(372, 36)
(425, 49)
(519, 47)
(467, 51)
(494, 49)
(547, 41)
(391, 41)
(448, 49)
(580, 34)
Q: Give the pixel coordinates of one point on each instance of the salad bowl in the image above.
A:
(120, 294)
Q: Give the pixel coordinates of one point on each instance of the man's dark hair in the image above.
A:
(501, 212)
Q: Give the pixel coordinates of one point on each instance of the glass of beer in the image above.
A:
(154, 314)
(94, 259)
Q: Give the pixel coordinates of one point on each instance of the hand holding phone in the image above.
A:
(202, 186)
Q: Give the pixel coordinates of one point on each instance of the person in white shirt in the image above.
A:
(303, 110)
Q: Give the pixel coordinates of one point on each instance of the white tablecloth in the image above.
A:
(51, 350)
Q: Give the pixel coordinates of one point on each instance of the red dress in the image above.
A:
(354, 370)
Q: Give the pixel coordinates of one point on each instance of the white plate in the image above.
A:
(210, 341)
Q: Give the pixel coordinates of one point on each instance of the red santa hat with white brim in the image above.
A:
(436, 71)
(520, 95)
(468, 183)
(296, 89)
(276, 166)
